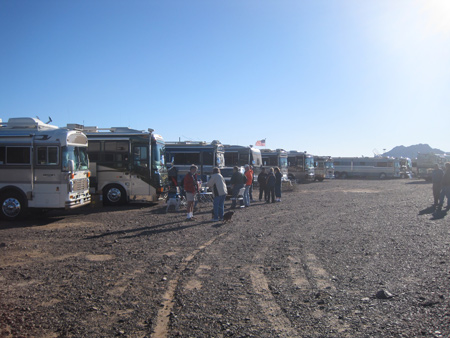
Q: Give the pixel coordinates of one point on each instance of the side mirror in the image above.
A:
(71, 166)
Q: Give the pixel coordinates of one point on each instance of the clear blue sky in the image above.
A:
(332, 77)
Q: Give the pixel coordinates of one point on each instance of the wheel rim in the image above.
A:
(114, 195)
(11, 207)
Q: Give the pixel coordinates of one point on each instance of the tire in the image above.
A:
(382, 176)
(13, 206)
(114, 194)
(343, 175)
(337, 174)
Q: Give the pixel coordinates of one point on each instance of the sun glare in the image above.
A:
(437, 16)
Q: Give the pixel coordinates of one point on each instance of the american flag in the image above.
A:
(261, 143)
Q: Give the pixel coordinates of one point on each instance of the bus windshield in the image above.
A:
(78, 155)
(158, 151)
(283, 162)
(309, 162)
(220, 159)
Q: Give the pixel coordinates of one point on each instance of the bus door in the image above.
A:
(140, 175)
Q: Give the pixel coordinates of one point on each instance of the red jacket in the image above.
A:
(249, 175)
(190, 183)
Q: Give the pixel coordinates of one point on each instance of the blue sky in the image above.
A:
(338, 78)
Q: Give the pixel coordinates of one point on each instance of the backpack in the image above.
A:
(244, 179)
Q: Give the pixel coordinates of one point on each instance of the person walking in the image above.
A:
(237, 183)
(270, 186)
(262, 178)
(190, 184)
(248, 183)
(219, 188)
(445, 189)
(278, 177)
(436, 179)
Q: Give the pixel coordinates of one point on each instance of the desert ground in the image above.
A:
(339, 258)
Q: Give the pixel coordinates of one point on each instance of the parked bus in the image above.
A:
(126, 164)
(301, 166)
(240, 156)
(323, 168)
(275, 158)
(375, 167)
(206, 156)
(426, 162)
(41, 167)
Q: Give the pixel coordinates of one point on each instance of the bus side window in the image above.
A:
(140, 156)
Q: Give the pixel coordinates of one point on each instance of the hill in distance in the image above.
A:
(412, 151)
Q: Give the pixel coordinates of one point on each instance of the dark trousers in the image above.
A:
(235, 194)
(436, 193)
(270, 193)
(262, 189)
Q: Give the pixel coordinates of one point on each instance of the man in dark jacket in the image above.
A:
(262, 178)
(436, 179)
(237, 183)
(445, 189)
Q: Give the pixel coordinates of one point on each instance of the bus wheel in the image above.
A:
(343, 175)
(382, 176)
(114, 195)
(13, 206)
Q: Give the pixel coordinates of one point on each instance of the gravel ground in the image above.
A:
(341, 258)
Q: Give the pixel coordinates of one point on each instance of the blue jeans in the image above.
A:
(247, 196)
(219, 203)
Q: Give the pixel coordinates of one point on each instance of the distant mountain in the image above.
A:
(412, 151)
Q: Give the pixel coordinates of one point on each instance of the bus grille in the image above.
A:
(80, 184)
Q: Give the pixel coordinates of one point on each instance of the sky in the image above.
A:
(330, 77)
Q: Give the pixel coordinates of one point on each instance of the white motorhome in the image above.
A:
(126, 164)
(370, 167)
(41, 166)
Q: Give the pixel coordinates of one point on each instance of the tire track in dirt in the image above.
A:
(162, 320)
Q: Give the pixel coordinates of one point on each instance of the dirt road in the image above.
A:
(341, 258)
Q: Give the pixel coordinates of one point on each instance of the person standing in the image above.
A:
(436, 179)
(251, 185)
(278, 177)
(237, 183)
(270, 186)
(262, 178)
(445, 189)
(219, 188)
(191, 188)
(248, 183)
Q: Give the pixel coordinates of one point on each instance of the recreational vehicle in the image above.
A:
(370, 167)
(206, 156)
(240, 156)
(126, 164)
(276, 158)
(323, 168)
(41, 167)
(426, 162)
(301, 166)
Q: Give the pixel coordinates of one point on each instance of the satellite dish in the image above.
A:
(49, 120)
(376, 153)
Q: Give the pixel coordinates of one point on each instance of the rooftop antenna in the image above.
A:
(49, 120)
